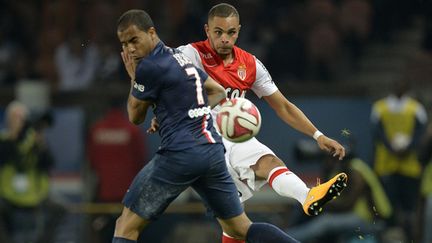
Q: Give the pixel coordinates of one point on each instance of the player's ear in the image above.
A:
(152, 32)
(206, 29)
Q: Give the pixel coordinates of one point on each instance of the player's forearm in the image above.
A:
(294, 117)
(290, 113)
(215, 98)
(215, 92)
(298, 120)
(136, 115)
(137, 109)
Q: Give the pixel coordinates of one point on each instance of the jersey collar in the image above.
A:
(160, 46)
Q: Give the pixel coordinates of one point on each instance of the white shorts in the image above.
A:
(239, 158)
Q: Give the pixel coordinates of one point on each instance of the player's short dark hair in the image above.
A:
(137, 17)
(223, 10)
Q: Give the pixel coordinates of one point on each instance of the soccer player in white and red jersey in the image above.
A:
(191, 153)
(251, 163)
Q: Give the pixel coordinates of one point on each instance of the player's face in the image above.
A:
(137, 43)
(222, 33)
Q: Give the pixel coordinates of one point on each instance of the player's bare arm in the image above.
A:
(293, 116)
(137, 109)
(215, 92)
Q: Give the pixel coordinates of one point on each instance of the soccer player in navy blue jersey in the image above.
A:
(191, 151)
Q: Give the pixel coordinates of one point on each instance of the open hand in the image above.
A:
(129, 63)
(331, 146)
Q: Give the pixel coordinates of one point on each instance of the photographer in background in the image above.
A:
(25, 163)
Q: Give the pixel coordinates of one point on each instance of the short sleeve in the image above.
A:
(146, 85)
(192, 53)
(264, 85)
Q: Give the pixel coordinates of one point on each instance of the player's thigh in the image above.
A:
(217, 189)
(242, 157)
(154, 188)
(237, 226)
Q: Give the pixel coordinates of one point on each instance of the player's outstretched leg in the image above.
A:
(264, 232)
(261, 232)
(321, 194)
(240, 228)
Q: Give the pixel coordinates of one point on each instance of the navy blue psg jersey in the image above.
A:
(169, 79)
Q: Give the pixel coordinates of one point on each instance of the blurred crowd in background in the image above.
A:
(72, 44)
(70, 48)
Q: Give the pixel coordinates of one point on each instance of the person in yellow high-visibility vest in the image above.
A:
(398, 122)
(426, 190)
(425, 213)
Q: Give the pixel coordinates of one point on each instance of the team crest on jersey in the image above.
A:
(241, 71)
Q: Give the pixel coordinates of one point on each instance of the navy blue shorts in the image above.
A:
(171, 172)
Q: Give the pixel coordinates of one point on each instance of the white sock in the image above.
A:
(287, 184)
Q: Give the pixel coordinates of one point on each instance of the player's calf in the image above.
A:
(128, 226)
(263, 232)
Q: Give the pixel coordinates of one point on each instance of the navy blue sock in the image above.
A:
(122, 240)
(268, 233)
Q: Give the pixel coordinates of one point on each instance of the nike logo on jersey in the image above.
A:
(206, 55)
(208, 60)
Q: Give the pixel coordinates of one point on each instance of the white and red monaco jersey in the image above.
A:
(244, 73)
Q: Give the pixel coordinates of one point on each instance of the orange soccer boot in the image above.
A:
(323, 193)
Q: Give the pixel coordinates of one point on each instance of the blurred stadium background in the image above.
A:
(333, 58)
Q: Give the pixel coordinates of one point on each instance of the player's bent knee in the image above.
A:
(265, 164)
(270, 161)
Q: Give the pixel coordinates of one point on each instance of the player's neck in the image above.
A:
(227, 59)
